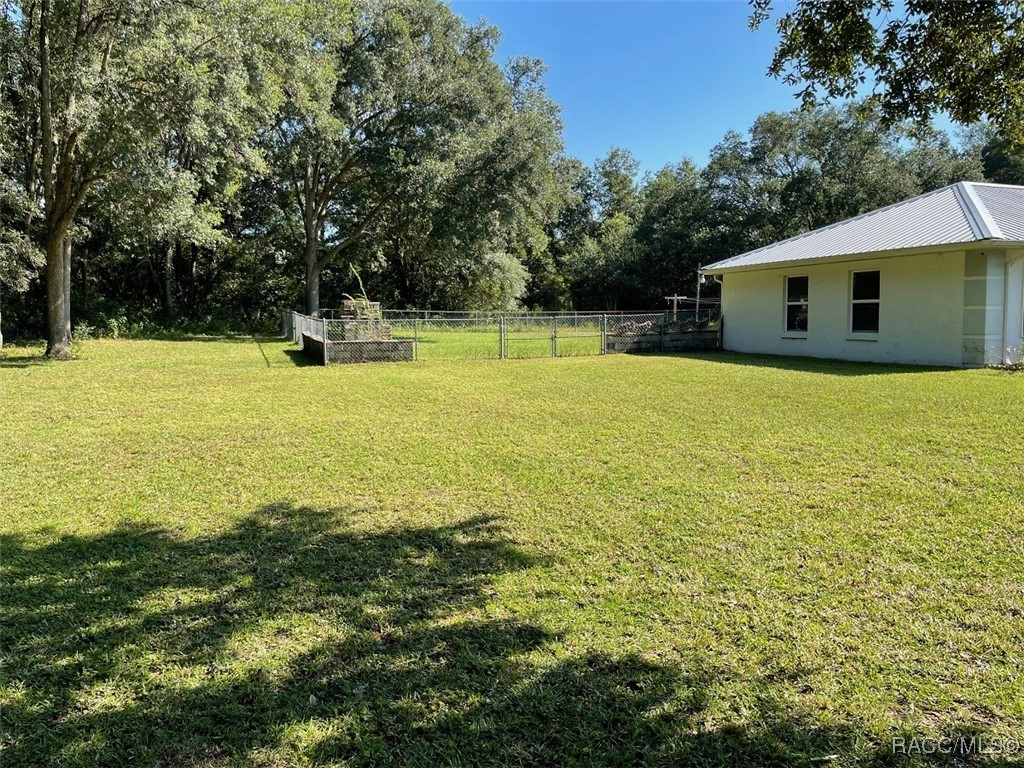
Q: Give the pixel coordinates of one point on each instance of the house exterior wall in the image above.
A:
(984, 297)
(1013, 319)
(921, 310)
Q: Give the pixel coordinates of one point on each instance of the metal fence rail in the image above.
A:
(495, 315)
(498, 336)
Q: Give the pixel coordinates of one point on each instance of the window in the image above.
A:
(866, 294)
(796, 304)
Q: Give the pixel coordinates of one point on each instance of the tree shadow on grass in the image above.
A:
(24, 362)
(239, 337)
(28, 357)
(293, 638)
(820, 365)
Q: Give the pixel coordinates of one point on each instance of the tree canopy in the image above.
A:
(918, 57)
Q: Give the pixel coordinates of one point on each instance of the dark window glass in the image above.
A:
(796, 289)
(865, 286)
(796, 317)
(865, 317)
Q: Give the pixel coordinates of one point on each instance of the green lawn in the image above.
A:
(213, 555)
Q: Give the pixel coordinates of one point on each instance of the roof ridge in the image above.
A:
(982, 223)
(993, 184)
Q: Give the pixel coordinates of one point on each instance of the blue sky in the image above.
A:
(664, 79)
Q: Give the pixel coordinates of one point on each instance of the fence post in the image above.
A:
(554, 336)
(501, 338)
(663, 318)
(416, 340)
(604, 334)
(323, 332)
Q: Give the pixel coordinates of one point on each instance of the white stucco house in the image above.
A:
(935, 280)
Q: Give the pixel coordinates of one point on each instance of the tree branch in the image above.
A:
(351, 240)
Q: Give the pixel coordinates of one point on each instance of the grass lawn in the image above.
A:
(212, 555)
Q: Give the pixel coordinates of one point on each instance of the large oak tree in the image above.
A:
(97, 84)
(390, 98)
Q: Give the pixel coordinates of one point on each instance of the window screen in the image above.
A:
(866, 294)
(796, 303)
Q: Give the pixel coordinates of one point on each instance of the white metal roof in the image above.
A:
(965, 212)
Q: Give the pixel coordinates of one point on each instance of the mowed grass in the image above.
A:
(213, 555)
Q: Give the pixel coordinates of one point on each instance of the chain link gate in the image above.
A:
(556, 336)
(579, 335)
(527, 337)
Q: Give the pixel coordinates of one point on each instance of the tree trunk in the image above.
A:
(58, 296)
(58, 243)
(65, 252)
(193, 273)
(169, 276)
(312, 278)
(313, 291)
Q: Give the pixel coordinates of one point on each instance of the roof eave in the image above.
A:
(711, 269)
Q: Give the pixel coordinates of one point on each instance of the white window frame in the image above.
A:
(877, 301)
(787, 304)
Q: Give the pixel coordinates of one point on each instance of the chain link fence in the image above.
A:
(295, 325)
(446, 336)
(453, 337)
(636, 325)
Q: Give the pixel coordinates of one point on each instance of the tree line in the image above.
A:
(202, 164)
